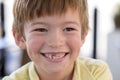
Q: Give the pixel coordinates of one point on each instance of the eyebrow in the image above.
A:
(41, 23)
(66, 22)
(72, 22)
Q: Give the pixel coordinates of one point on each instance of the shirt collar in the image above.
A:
(32, 73)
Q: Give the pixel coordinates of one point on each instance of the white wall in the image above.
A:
(9, 20)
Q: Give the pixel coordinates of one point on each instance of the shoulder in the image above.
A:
(97, 68)
(89, 62)
(20, 74)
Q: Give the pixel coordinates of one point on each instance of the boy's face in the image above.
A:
(52, 42)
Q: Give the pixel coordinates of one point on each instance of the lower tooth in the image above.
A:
(54, 57)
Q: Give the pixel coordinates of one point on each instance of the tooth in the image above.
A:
(48, 55)
(54, 56)
(57, 56)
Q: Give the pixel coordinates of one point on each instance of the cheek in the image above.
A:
(33, 46)
(75, 44)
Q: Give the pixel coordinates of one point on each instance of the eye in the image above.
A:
(41, 30)
(69, 29)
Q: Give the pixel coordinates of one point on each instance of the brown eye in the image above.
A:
(41, 30)
(69, 29)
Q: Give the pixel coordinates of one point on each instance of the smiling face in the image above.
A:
(52, 42)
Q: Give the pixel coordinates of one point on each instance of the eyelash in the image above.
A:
(69, 29)
(41, 30)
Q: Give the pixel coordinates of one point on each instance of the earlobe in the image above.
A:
(19, 39)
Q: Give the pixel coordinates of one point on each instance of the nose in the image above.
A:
(56, 39)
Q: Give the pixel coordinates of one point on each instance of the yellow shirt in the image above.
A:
(85, 69)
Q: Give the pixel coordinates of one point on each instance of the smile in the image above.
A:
(54, 57)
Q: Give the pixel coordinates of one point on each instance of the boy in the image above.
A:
(52, 32)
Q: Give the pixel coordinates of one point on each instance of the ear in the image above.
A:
(83, 38)
(19, 39)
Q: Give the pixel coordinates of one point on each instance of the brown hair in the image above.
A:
(26, 10)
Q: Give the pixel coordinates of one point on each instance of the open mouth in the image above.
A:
(54, 56)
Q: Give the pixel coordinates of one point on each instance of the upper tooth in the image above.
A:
(54, 56)
(48, 55)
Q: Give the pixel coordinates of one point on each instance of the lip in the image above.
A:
(57, 60)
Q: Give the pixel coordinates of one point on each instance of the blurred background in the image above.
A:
(102, 42)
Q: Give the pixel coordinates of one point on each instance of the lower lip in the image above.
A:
(56, 60)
